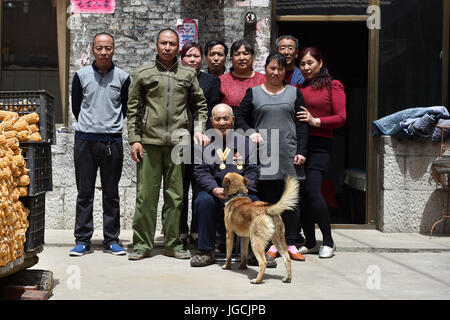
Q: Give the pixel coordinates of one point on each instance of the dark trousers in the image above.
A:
(271, 191)
(188, 181)
(89, 156)
(209, 210)
(315, 209)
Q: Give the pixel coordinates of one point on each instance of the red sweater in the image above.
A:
(329, 108)
(233, 89)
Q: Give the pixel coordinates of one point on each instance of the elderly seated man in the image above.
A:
(229, 151)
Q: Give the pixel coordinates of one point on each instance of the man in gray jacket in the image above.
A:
(99, 104)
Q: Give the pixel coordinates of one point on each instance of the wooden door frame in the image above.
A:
(445, 52)
(63, 39)
(1, 39)
(372, 108)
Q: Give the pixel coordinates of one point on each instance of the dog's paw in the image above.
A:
(243, 266)
(226, 266)
(255, 281)
(287, 280)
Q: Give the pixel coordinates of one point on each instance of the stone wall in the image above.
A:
(135, 25)
(408, 200)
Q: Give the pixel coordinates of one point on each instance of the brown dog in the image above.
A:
(257, 221)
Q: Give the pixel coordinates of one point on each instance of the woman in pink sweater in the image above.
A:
(235, 83)
(325, 110)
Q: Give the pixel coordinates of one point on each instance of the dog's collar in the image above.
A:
(236, 195)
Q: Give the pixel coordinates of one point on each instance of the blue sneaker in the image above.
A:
(115, 249)
(79, 250)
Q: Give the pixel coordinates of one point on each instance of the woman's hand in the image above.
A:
(305, 116)
(256, 138)
(299, 159)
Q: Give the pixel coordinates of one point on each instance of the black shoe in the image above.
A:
(252, 261)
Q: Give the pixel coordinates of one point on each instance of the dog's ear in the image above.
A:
(226, 182)
(246, 181)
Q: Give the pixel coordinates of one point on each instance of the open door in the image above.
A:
(345, 51)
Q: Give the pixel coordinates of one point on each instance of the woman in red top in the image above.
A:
(235, 83)
(325, 100)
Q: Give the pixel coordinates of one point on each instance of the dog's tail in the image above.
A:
(289, 199)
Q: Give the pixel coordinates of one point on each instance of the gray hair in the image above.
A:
(222, 105)
(277, 41)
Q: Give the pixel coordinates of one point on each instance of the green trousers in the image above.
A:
(157, 163)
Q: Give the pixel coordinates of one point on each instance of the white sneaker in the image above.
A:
(305, 250)
(326, 252)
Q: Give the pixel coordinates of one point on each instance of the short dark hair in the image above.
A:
(167, 29)
(278, 40)
(242, 42)
(102, 34)
(189, 46)
(278, 57)
(213, 43)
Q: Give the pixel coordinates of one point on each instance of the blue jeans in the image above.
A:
(209, 210)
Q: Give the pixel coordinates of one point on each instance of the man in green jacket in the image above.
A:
(158, 109)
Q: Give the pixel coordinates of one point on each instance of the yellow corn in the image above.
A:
(20, 125)
(36, 137)
(31, 118)
(10, 134)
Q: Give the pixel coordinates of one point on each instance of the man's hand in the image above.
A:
(200, 138)
(299, 159)
(136, 152)
(218, 193)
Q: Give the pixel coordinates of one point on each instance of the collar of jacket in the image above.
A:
(98, 70)
(159, 63)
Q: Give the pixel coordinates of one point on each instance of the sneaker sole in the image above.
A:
(78, 254)
(328, 256)
(181, 257)
(120, 253)
(138, 258)
(309, 251)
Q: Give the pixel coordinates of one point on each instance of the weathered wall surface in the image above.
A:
(135, 25)
(408, 200)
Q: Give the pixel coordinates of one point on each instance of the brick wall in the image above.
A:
(408, 200)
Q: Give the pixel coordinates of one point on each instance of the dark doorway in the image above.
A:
(344, 46)
(29, 55)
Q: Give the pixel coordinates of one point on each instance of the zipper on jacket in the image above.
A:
(167, 107)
